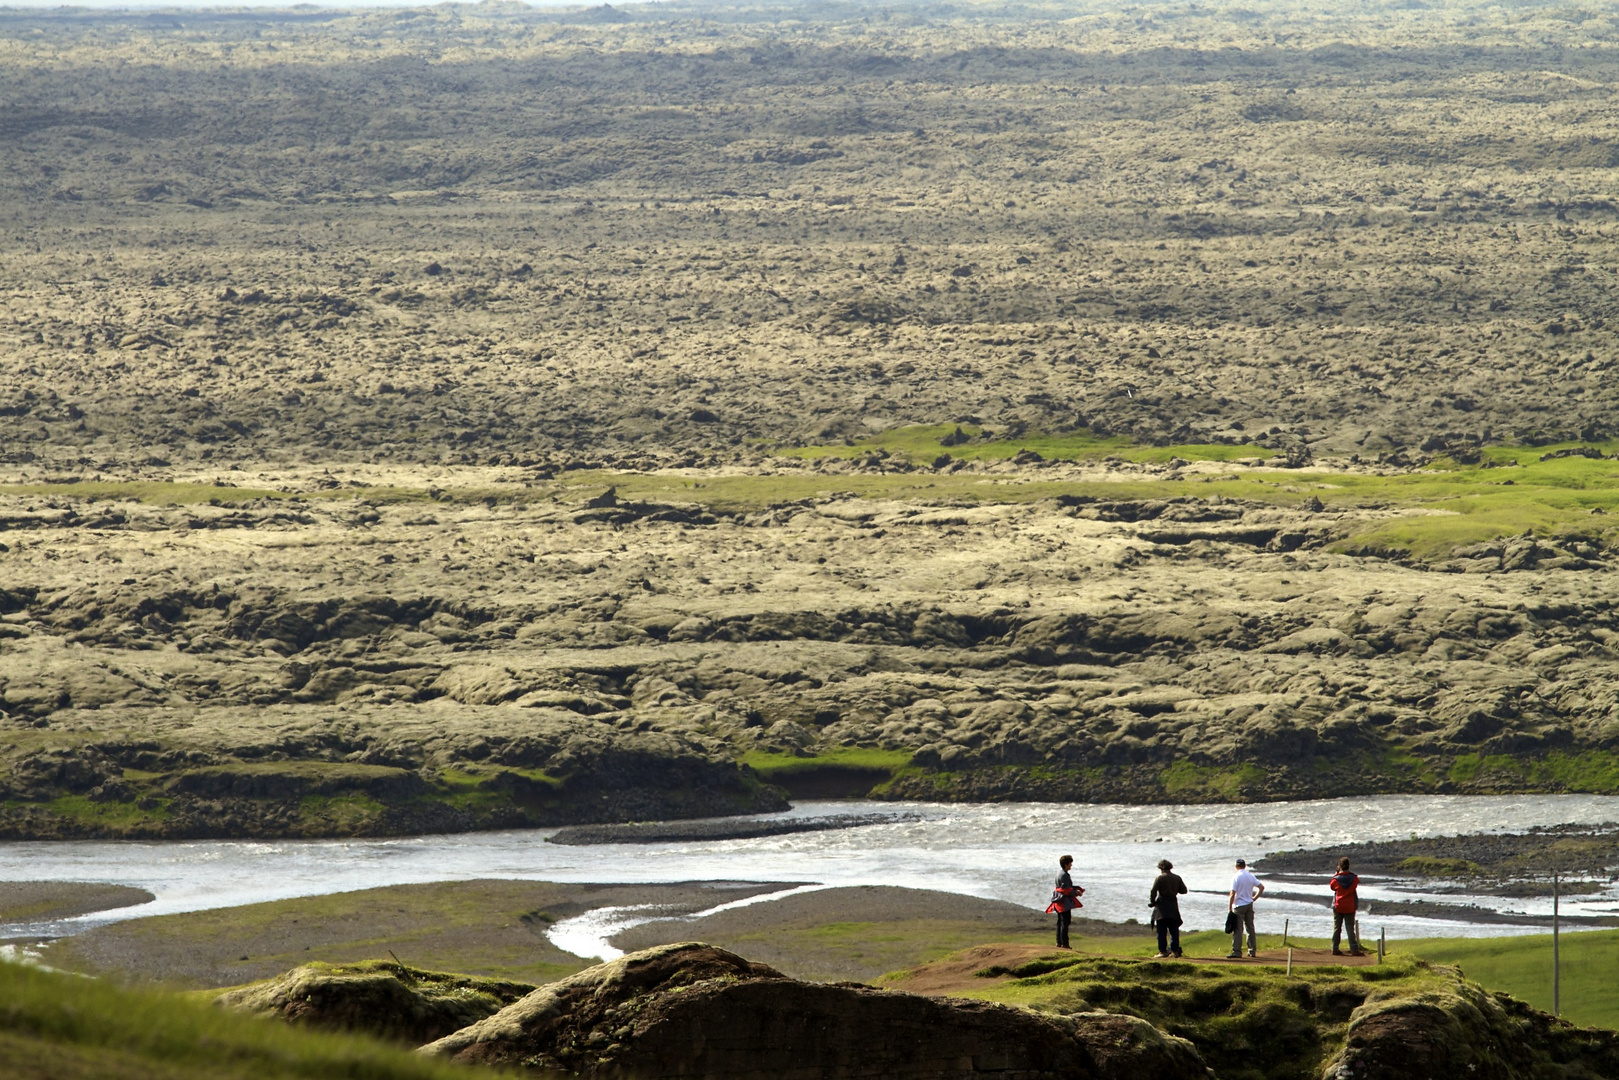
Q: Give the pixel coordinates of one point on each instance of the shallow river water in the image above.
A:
(1004, 851)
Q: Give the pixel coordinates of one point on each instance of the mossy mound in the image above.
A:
(1463, 1030)
(1403, 1018)
(695, 1010)
(381, 998)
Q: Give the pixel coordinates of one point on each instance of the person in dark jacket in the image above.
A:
(1345, 903)
(1064, 899)
(1167, 888)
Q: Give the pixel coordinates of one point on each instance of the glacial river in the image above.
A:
(1004, 851)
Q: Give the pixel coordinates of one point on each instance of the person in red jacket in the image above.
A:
(1344, 903)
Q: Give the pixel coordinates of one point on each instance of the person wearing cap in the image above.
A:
(1167, 888)
(1245, 889)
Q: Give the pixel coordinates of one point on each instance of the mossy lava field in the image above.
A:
(483, 415)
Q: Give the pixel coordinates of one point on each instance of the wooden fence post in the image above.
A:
(1557, 959)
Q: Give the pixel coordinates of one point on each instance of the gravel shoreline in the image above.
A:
(41, 901)
(1576, 850)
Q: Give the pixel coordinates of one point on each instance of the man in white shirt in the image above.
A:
(1245, 889)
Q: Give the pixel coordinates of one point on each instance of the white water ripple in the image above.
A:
(590, 935)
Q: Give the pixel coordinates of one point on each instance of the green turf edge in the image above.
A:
(56, 1021)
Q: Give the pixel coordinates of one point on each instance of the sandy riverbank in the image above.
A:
(38, 901)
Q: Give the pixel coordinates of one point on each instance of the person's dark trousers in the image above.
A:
(1245, 921)
(1340, 920)
(1169, 938)
(1063, 919)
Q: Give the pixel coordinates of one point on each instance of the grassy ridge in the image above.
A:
(1249, 1022)
(1262, 1023)
(62, 1027)
(1522, 966)
(1508, 492)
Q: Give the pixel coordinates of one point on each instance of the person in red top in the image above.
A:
(1344, 903)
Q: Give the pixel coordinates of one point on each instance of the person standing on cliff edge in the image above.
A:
(1164, 899)
(1345, 902)
(1245, 889)
(1064, 899)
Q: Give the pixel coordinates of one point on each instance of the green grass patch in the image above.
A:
(1184, 779)
(1468, 768)
(106, 815)
(1509, 455)
(539, 776)
(769, 765)
(1595, 771)
(342, 813)
(1522, 967)
(60, 1027)
(1471, 504)
(1401, 762)
(466, 791)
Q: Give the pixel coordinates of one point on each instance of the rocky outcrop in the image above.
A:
(389, 1000)
(695, 1010)
(451, 769)
(525, 691)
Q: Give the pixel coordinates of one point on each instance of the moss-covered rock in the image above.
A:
(390, 1000)
(1460, 1029)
